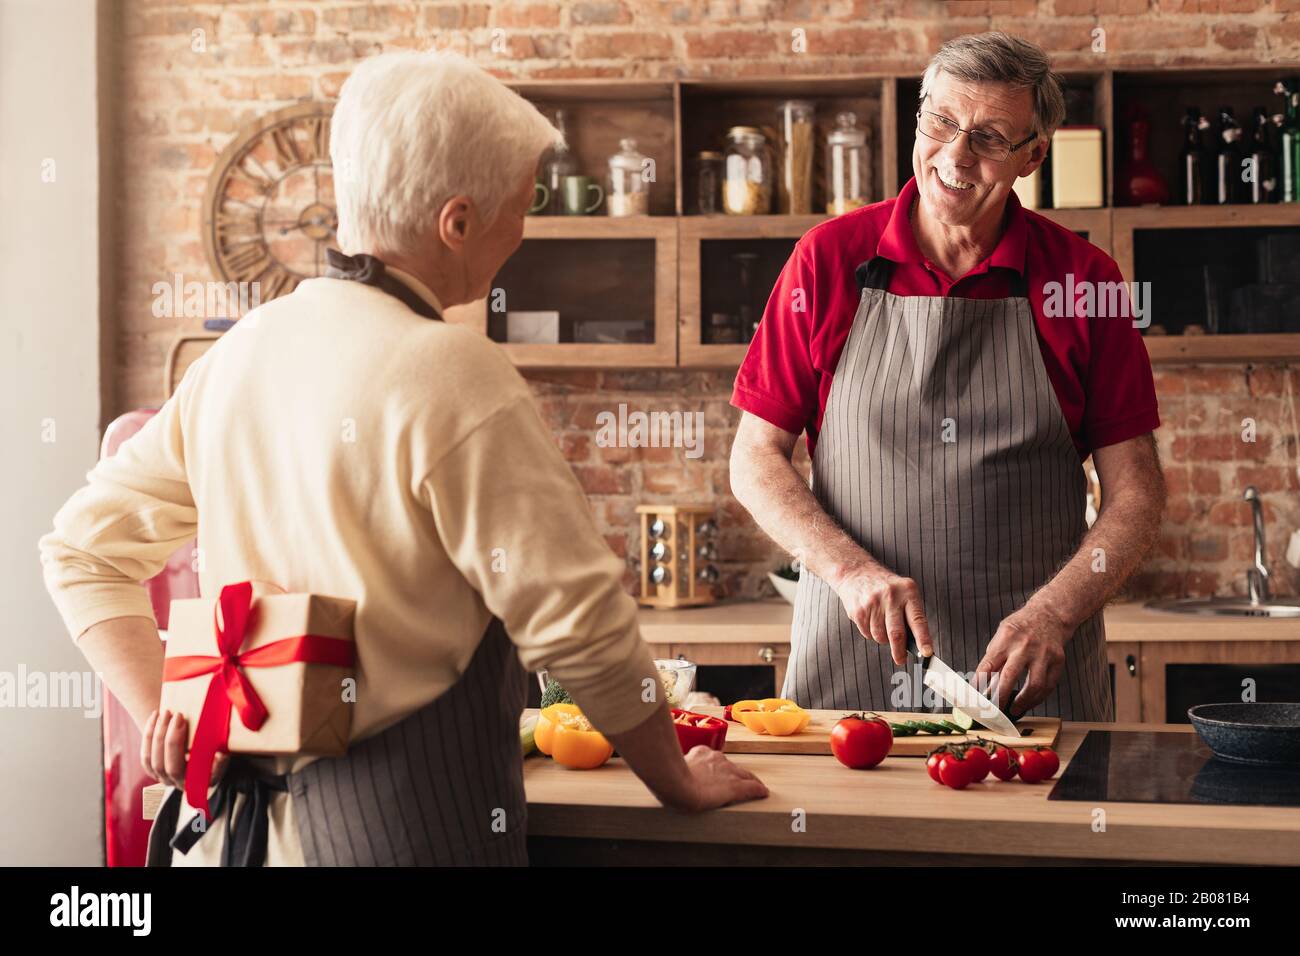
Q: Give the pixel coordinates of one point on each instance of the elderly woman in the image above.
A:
(344, 440)
(948, 407)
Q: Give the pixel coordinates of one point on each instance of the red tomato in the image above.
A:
(954, 772)
(1002, 763)
(861, 741)
(932, 764)
(978, 758)
(1051, 762)
(1032, 766)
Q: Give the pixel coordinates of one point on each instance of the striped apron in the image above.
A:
(442, 787)
(944, 453)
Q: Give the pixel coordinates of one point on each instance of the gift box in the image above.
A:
(256, 672)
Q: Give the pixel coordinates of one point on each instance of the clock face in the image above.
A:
(269, 214)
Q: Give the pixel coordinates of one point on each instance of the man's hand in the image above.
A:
(879, 602)
(1030, 641)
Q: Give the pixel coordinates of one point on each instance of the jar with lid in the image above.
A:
(629, 185)
(794, 185)
(747, 173)
(848, 166)
(708, 182)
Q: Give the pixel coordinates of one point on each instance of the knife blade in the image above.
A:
(958, 692)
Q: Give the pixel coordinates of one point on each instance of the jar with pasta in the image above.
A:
(629, 185)
(794, 185)
(747, 173)
(848, 166)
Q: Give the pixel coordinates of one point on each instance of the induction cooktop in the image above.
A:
(1128, 766)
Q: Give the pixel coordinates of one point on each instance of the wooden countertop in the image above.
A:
(768, 622)
(896, 807)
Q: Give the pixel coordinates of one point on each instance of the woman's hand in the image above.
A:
(162, 749)
(717, 781)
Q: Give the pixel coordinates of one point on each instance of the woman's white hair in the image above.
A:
(412, 130)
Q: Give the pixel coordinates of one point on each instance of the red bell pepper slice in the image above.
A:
(695, 729)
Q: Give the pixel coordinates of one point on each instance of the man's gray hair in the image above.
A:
(1002, 58)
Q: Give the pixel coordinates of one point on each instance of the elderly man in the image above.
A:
(343, 440)
(948, 413)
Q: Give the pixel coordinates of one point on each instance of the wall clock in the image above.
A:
(269, 214)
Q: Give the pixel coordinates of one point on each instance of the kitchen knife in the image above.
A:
(950, 685)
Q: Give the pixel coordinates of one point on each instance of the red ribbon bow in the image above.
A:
(230, 688)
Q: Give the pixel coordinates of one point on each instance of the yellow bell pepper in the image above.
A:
(774, 715)
(547, 720)
(563, 733)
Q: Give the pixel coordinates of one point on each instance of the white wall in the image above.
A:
(50, 763)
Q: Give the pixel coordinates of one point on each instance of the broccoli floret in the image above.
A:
(555, 694)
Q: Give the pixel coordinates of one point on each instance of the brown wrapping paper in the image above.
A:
(307, 713)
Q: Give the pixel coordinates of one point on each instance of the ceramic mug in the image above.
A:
(576, 192)
(543, 199)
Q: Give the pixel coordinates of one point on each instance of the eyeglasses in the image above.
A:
(987, 145)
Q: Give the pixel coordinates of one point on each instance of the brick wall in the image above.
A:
(178, 105)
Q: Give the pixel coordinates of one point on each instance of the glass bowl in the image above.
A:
(678, 678)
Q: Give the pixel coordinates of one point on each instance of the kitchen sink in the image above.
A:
(1230, 607)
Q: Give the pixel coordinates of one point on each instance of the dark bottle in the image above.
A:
(1229, 160)
(1193, 164)
(1263, 180)
(1289, 141)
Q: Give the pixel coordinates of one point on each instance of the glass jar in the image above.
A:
(794, 192)
(629, 187)
(708, 182)
(848, 166)
(747, 173)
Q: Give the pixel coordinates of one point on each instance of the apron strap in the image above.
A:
(369, 270)
(876, 272)
(246, 834)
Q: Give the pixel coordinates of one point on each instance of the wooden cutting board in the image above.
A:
(815, 738)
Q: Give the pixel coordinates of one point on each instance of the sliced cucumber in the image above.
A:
(962, 719)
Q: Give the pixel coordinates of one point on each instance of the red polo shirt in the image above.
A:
(1098, 365)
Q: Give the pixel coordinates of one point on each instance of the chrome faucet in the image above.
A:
(1257, 577)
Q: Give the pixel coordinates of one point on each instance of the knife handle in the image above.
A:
(912, 647)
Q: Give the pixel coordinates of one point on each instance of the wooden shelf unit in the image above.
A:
(673, 119)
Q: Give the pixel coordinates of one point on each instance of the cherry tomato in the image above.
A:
(1051, 762)
(1002, 763)
(861, 741)
(932, 764)
(954, 771)
(1032, 766)
(978, 758)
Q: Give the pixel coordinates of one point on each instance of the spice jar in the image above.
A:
(848, 166)
(629, 190)
(708, 182)
(794, 186)
(747, 173)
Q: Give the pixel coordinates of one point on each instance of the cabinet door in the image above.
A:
(1178, 675)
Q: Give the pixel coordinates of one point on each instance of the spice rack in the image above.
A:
(677, 551)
